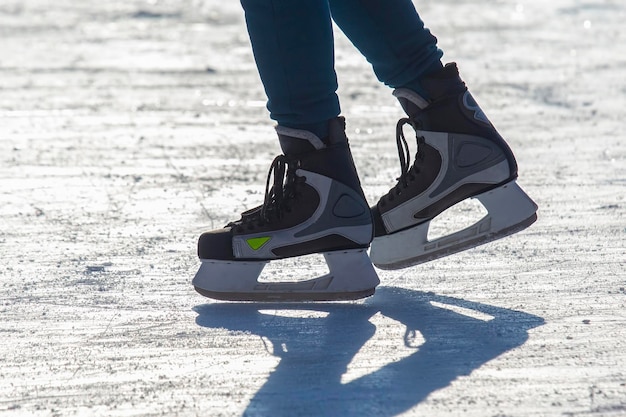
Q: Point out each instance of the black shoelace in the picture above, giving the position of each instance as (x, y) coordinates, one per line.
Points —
(278, 198)
(408, 173)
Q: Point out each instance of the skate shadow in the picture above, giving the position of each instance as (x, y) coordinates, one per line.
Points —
(457, 337)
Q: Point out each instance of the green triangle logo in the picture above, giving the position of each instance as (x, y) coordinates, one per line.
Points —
(257, 242)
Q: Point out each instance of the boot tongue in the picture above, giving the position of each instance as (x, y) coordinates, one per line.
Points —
(437, 85)
(411, 102)
(443, 82)
(296, 141)
(336, 131)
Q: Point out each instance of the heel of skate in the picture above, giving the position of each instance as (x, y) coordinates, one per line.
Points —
(351, 276)
(510, 210)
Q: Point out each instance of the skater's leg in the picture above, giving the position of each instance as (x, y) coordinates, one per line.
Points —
(292, 43)
(392, 37)
(313, 201)
(459, 152)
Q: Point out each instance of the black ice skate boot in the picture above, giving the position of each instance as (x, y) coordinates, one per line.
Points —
(315, 205)
(459, 155)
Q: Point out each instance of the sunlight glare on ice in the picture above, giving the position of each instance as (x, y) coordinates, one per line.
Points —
(461, 215)
(518, 14)
(297, 269)
(295, 313)
(392, 337)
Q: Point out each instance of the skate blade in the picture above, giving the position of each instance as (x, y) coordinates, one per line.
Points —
(509, 209)
(351, 276)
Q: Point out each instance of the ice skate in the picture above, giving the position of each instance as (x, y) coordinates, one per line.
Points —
(315, 205)
(459, 155)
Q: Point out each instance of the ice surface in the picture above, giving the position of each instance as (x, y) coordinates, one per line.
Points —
(129, 127)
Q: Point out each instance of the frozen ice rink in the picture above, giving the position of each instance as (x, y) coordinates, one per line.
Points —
(129, 127)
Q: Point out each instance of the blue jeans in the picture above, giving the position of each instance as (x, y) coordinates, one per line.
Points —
(292, 41)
